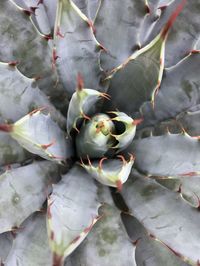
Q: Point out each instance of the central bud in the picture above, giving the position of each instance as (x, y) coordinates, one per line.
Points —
(95, 137)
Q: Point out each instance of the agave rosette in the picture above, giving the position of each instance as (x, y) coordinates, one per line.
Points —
(87, 105)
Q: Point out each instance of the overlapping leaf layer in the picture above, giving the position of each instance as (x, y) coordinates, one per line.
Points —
(97, 94)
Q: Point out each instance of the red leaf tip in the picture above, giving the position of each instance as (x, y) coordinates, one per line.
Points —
(6, 128)
(80, 82)
(173, 18)
(119, 185)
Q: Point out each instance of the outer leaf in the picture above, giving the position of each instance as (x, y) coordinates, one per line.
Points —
(72, 211)
(30, 246)
(158, 3)
(88, 7)
(38, 14)
(74, 28)
(11, 152)
(189, 121)
(25, 192)
(139, 77)
(188, 185)
(165, 216)
(180, 83)
(32, 132)
(21, 42)
(20, 95)
(114, 172)
(125, 37)
(50, 8)
(185, 31)
(6, 241)
(167, 155)
(149, 251)
(107, 242)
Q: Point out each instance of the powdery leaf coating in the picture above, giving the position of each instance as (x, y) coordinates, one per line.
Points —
(26, 190)
(149, 251)
(72, 212)
(107, 241)
(184, 34)
(11, 151)
(6, 241)
(187, 185)
(30, 247)
(124, 39)
(165, 216)
(20, 41)
(20, 95)
(88, 7)
(82, 55)
(40, 135)
(168, 155)
(111, 172)
(180, 83)
(138, 79)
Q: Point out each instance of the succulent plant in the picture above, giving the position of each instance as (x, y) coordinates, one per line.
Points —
(99, 132)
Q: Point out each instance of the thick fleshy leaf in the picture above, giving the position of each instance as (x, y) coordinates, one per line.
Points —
(20, 95)
(11, 151)
(38, 14)
(50, 9)
(137, 80)
(74, 28)
(165, 216)
(81, 105)
(72, 212)
(149, 251)
(126, 137)
(170, 154)
(180, 83)
(187, 185)
(21, 42)
(155, 4)
(6, 241)
(125, 37)
(88, 7)
(40, 135)
(94, 138)
(107, 241)
(185, 31)
(111, 172)
(189, 121)
(30, 247)
(26, 190)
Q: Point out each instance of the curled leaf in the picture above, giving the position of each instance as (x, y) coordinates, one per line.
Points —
(32, 132)
(95, 138)
(113, 172)
(81, 105)
(126, 137)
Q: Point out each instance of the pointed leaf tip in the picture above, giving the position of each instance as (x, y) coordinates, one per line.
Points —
(80, 81)
(6, 128)
(172, 19)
